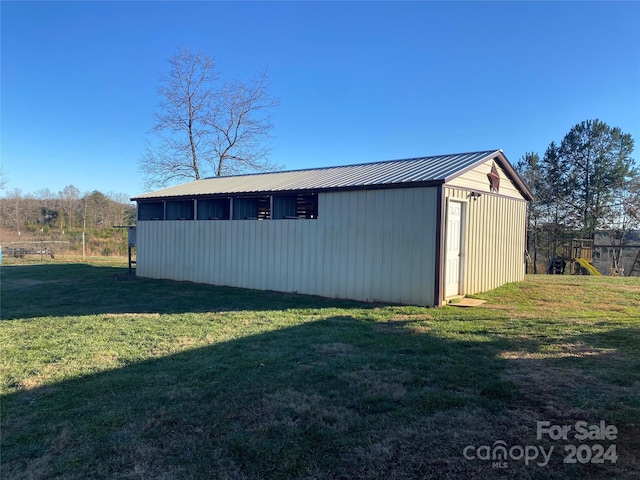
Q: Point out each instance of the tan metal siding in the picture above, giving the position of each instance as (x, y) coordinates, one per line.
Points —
(494, 241)
(476, 179)
(380, 245)
(374, 245)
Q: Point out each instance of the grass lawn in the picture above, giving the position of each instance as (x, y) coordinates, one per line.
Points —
(105, 375)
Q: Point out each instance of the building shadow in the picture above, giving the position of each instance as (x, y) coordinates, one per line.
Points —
(79, 289)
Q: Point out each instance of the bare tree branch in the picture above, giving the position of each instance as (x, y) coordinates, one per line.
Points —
(205, 127)
(3, 178)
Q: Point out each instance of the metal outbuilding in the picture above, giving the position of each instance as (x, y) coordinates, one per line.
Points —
(413, 231)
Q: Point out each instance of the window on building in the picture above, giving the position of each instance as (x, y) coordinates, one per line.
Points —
(213, 209)
(284, 207)
(307, 206)
(278, 207)
(180, 210)
(295, 206)
(150, 211)
(251, 208)
(264, 208)
(245, 209)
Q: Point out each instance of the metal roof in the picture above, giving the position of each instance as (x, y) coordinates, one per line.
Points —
(435, 169)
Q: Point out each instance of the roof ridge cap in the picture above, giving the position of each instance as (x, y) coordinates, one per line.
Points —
(330, 167)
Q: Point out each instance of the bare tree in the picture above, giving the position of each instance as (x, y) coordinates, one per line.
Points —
(241, 122)
(3, 178)
(31, 211)
(206, 127)
(48, 207)
(70, 199)
(624, 217)
(95, 207)
(12, 216)
(529, 167)
(120, 208)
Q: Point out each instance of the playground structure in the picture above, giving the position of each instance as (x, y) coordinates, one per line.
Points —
(635, 266)
(578, 253)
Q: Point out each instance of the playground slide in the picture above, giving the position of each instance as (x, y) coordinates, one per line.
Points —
(588, 267)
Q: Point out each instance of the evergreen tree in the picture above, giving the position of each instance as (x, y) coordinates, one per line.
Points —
(553, 194)
(592, 163)
(530, 169)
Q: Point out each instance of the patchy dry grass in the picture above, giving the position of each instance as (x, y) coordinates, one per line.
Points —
(105, 375)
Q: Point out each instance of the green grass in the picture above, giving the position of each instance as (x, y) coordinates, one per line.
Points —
(105, 375)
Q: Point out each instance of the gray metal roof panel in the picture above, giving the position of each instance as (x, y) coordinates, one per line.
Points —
(411, 170)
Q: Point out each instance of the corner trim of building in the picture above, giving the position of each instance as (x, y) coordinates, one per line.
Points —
(438, 299)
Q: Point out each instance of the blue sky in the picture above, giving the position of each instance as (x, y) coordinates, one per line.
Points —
(357, 82)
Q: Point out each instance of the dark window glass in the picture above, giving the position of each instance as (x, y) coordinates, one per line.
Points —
(213, 209)
(180, 210)
(284, 207)
(245, 209)
(150, 211)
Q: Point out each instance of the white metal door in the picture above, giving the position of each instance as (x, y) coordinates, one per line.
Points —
(453, 238)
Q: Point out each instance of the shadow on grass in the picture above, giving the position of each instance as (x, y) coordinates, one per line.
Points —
(30, 291)
(338, 397)
(334, 398)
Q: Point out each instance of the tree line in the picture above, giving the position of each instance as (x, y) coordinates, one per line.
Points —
(587, 183)
(66, 211)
